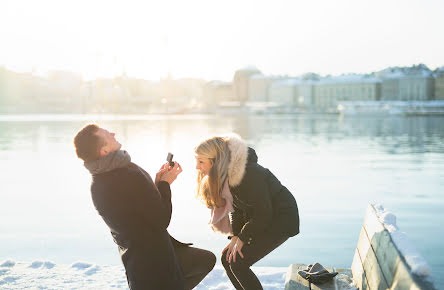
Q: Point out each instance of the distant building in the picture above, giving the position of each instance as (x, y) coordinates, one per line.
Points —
(414, 83)
(439, 84)
(258, 86)
(216, 92)
(328, 91)
(285, 91)
(240, 83)
(306, 93)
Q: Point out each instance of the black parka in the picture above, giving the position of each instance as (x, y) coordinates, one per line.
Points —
(138, 213)
(262, 204)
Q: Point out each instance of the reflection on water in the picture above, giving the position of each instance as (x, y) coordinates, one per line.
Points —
(334, 166)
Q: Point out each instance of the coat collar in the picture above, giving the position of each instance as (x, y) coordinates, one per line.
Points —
(238, 159)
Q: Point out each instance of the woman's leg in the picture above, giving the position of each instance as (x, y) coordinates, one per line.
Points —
(195, 263)
(239, 272)
(230, 274)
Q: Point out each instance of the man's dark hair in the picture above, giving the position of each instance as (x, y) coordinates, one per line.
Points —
(87, 143)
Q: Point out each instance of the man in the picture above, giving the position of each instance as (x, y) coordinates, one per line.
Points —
(137, 211)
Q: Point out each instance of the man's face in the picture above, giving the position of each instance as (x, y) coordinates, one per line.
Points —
(110, 143)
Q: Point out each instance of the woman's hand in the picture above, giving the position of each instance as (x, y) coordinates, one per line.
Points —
(171, 173)
(229, 247)
(236, 249)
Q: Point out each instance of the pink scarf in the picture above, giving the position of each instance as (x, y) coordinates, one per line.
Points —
(220, 220)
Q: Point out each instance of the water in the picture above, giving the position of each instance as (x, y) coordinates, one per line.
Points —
(333, 165)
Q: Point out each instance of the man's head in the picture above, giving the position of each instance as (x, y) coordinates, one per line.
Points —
(93, 142)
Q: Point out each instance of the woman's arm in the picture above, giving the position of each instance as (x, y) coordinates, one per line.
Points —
(255, 191)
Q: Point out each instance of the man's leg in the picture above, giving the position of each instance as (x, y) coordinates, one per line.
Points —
(239, 272)
(195, 263)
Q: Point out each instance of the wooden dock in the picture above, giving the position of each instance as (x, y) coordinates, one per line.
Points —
(378, 263)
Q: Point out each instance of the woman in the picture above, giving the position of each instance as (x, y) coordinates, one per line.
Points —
(264, 214)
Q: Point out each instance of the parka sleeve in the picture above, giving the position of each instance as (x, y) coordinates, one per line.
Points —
(151, 206)
(236, 221)
(259, 199)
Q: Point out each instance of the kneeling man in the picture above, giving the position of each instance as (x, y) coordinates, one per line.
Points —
(137, 211)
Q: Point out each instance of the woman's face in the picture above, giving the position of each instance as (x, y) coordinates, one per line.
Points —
(203, 164)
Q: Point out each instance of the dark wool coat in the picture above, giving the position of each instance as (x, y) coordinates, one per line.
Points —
(262, 204)
(138, 213)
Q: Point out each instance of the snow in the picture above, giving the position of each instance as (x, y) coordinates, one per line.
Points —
(348, 79)
(286, 83)
(84, 275)
(414, 259)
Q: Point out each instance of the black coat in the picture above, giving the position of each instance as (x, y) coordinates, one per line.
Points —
(138, 213)
(262, 204)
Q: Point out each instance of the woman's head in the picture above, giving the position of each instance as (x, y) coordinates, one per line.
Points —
(212, 160)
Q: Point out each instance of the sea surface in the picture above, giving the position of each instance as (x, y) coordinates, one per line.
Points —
(334, 165)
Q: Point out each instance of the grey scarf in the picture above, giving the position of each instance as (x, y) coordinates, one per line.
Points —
(113, 160)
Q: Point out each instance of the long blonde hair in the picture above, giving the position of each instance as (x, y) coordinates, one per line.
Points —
(209, 187)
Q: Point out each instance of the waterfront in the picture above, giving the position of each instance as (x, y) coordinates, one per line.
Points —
(334, 165)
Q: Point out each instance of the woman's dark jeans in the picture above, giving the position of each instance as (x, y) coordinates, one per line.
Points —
(239, 272)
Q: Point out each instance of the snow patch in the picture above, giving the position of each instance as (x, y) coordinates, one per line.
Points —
(81, 265)
(92, 270)
(9, 279)
(8, 263)
(40, 264)
(3, 271)
(414, 259)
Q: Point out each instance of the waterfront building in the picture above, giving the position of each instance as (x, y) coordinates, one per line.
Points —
(439, 84)
(407, 83)
(240, 83)
(258, 87)
(328, 91)
(216, 92)
(285, 92)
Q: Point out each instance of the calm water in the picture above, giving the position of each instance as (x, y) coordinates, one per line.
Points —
(334, 166)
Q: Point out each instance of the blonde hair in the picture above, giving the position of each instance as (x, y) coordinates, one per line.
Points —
(209, 187)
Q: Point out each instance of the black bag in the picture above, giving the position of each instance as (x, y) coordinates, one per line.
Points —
(317, 274)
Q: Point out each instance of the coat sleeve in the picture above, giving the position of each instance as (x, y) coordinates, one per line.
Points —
(258, 198)
(151, 206)
(236, 220)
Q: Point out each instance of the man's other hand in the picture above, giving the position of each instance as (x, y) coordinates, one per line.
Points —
(171, 173)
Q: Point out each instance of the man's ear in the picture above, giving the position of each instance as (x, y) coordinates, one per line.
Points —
(103, 151)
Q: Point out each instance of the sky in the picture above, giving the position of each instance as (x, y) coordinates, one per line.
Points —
(211, 39)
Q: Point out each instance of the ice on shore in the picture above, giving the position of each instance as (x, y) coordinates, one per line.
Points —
(414, 259)
(84, 275)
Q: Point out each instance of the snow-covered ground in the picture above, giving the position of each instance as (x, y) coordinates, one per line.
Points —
(84, 275)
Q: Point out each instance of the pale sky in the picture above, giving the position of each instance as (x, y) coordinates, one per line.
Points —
(212, 39)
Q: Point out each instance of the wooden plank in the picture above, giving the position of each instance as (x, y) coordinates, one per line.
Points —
(373, 272)
(357, 270)
(387, 255)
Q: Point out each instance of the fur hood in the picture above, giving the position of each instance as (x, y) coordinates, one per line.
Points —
(238, 159)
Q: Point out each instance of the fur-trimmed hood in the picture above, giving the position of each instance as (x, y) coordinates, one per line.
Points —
(238, 159)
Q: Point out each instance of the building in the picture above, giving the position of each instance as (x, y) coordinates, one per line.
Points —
(413, 83)
(285, 92)
(240, 83)
(216, 92)
(439, 84)
(328, 91)
(258, 87)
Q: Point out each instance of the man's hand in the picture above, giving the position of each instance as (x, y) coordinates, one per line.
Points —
(161, 171)
(171, 173)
